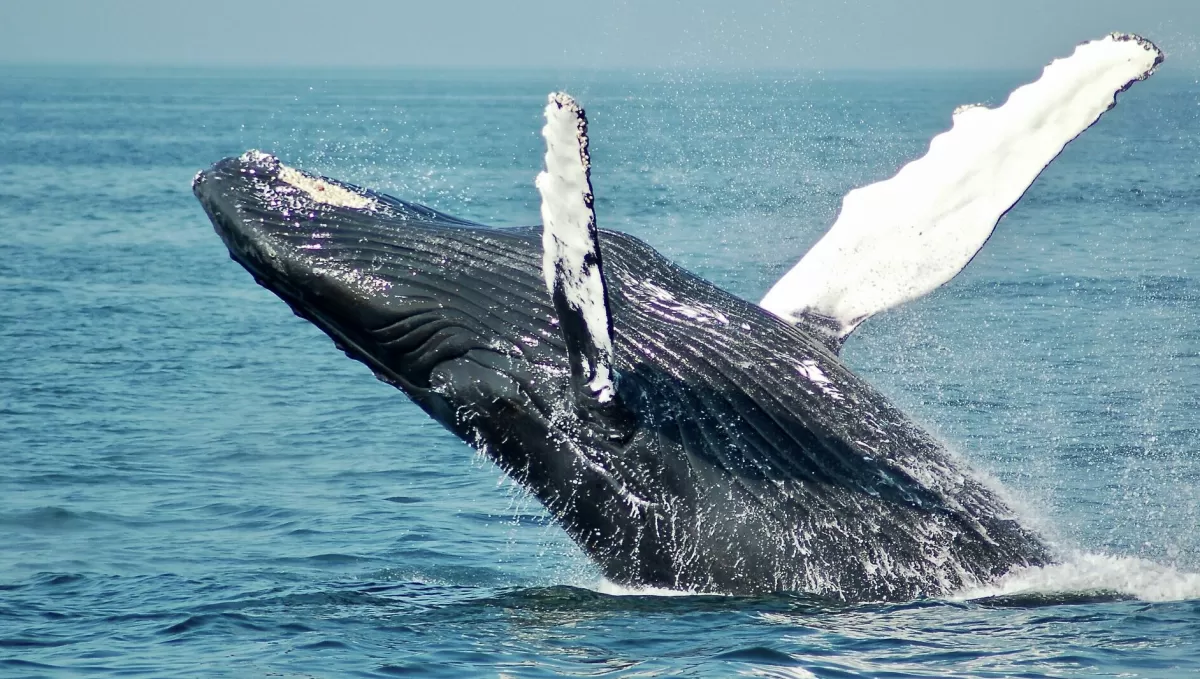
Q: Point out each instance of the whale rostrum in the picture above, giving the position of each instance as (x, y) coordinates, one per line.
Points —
(683, 437)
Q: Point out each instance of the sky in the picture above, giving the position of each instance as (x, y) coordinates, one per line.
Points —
(646, 34)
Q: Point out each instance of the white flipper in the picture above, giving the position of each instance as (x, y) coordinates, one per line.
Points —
(901, 238)
(571, 251)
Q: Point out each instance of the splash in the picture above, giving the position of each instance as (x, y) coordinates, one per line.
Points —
(1080, 573)
(605, 586)
(1091, 572)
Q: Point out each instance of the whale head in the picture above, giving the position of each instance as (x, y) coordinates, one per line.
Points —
(399, 286)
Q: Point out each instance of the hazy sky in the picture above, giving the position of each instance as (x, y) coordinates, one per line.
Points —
(730, 34)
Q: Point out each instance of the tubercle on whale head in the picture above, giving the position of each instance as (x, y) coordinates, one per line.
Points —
(294, 183)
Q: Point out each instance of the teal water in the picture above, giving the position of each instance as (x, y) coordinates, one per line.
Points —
(193, 482)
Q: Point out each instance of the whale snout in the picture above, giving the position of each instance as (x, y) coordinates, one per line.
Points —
(287, 227)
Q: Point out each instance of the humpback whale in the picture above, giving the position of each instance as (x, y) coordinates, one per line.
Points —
(683, 437)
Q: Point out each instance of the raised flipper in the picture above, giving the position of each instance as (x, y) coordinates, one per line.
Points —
(903, 237)
(572, 266)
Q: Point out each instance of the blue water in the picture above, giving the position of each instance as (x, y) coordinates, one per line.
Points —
(193, 482)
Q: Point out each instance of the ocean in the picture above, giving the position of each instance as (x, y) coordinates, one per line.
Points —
(194, 482)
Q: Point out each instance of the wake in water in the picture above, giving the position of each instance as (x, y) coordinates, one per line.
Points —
(1082, 576)
(1085, 573)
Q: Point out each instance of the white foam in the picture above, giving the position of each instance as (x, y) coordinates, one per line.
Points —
(1080, 573)
(898, 239)
(1089, 572)
(613, 589)
(780, 671)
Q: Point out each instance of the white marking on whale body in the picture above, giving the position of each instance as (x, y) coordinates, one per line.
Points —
(324, 192)
(318, 190)
(354, 277)
(569, 252)
(664, 299)
(813, 373)
(659, 292)
(900, 238)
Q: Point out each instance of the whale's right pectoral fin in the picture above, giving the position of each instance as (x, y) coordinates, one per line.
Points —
(901, 238)
(573, 269)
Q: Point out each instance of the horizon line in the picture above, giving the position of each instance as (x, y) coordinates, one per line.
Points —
(231, 67)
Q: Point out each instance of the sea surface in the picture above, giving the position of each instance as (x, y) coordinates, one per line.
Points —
(195, 483)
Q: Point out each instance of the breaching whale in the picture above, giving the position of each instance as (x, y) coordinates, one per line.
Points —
(683, 437)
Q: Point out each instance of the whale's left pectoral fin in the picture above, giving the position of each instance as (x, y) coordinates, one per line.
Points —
(573, 269)
(901, 238)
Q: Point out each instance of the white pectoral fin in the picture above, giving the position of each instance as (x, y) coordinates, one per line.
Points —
(901, 238)
(571, 260)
